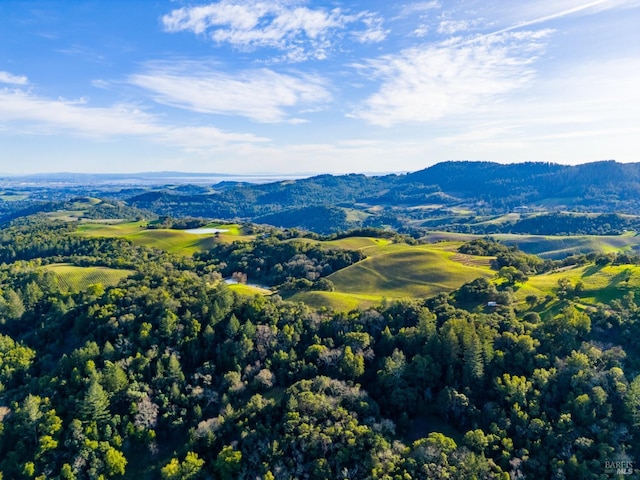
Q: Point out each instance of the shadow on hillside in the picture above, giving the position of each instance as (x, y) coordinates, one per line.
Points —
(592, 270)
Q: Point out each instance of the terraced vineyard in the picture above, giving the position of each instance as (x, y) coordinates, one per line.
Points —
(73, 278)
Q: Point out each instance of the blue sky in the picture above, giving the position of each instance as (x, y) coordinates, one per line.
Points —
(288, 86)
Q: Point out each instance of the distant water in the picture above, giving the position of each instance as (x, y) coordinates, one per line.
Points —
(147, 178)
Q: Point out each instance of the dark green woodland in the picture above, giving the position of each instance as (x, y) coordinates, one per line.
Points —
(169, 372)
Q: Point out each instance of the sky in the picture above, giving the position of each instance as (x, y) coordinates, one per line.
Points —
(304, 87)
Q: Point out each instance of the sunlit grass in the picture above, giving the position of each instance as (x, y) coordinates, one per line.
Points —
(336, 300)
(401, 270)
(249, 290)
(74, 278)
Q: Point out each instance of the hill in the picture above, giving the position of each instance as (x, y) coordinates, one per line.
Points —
(471, 196)
(599, 198)
(75, 278)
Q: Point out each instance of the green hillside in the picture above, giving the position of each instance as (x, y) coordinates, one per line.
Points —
(399, 270)
(250, 290)
(339, 301)
(172, 241)
(599, 284)
(73, 278)
(551, 246)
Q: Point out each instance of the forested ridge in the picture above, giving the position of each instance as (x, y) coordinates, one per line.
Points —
(170, 374)
(472, 197)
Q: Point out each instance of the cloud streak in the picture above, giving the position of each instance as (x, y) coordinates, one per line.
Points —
(300, 32)
(23, 112)
(594, 5)
(428, 83)
(261, 95)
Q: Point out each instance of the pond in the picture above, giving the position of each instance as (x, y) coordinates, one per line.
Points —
(233, 281)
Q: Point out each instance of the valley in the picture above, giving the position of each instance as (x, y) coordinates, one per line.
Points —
(203, 331)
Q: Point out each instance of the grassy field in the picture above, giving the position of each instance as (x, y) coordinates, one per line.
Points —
(562, 246)
(74, 278)
(115, 229)
(601, 284)
(398, 270)
(336, 300)
(248, 289)
(553, 247)
(395, 270)
(365, 244)
(75, 211)
(173, 241)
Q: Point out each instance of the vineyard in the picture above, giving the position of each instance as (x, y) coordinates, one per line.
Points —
(73, 278)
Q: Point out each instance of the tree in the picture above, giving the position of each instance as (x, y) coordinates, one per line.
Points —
(190, 468)
(563, 289)
(95, 404)
(15, 360)
(13, 306)
(351, 365)
(114, 461)
(632, 402)
(511, 275)
(227, 463)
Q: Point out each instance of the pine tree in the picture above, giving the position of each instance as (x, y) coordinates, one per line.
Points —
(95, 405)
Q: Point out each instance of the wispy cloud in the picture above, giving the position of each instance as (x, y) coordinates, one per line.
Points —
(428, 83)
(450, 27)
(8, 78)
(554, 11)
(261, 95)
(300, 32)
(373, 32)
(585, 102)
(504, 17)
(419, 7)
(23, 112)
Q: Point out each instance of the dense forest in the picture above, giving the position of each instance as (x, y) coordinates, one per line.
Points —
(171, 374)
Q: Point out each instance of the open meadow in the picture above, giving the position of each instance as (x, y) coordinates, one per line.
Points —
(169, 240)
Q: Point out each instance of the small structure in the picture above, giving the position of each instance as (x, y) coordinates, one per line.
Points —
(492, 304)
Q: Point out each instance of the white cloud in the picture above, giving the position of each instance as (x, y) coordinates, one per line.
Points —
(419, 7)
(450, 27)
(22, 112)
(281, 25)
(428, 83)
(374, 32)
(421, 31)
(6, 77)
(586, 111)
(261, 95)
